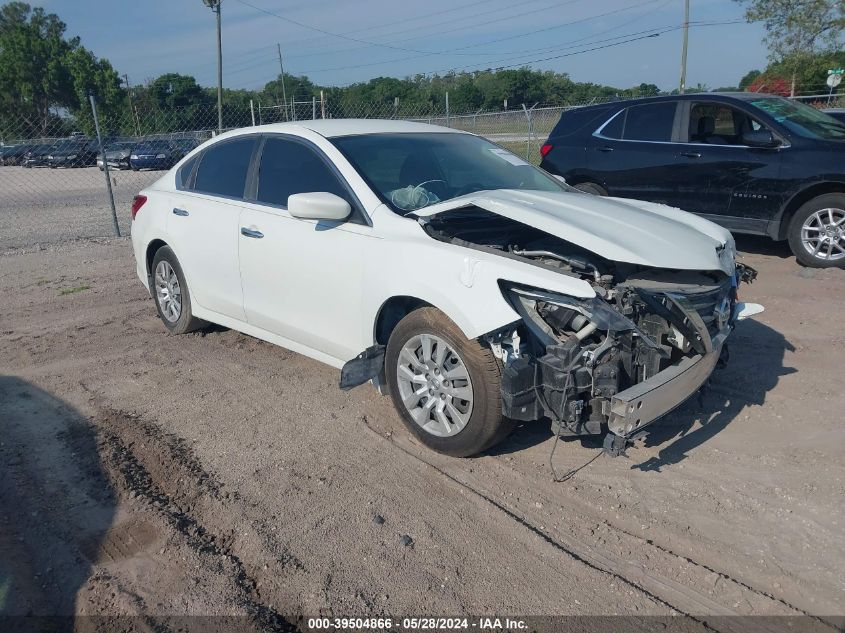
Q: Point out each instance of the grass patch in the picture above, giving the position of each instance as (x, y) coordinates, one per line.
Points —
(42, 282)
(520, 148)
(74, 290)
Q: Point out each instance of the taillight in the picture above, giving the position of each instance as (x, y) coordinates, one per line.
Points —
(137, 202)
(545, 149)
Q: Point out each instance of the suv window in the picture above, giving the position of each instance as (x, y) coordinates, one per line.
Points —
(649, 122)
(289, 167)
(223, 168)
(719, 124)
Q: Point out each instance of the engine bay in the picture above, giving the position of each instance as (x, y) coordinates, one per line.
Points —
(570, 357)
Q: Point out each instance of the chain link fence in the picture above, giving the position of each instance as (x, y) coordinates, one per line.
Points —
(52, 181)
(52, 185)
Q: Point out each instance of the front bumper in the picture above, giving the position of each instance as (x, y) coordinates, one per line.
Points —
(646, 402)
(150, 163)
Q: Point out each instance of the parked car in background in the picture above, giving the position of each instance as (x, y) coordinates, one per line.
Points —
(186, 144)
(836, 113)
(160, 154)
(36, 155)
(13, 154)
(75, 152)
(117, 155)
(476, 287)
(753, 163)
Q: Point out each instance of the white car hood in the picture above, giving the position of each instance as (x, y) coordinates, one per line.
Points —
(617, 229)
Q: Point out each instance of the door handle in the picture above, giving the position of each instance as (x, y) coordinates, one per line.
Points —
(177, 211)
(251, 233)
(605, 149)
(691, 154)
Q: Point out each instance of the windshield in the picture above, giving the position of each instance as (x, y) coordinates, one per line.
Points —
(412, 171)
(150, 146)
(802, 119)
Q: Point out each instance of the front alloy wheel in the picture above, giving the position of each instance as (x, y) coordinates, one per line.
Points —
(446, 388)
(434, 385)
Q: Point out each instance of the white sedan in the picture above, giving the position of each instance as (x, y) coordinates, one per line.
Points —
(473, 287)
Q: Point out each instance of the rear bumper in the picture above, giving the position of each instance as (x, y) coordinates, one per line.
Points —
(648, 401)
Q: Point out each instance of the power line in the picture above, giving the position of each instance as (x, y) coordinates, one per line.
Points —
(475, 25)
(325, 32)
(494, 41)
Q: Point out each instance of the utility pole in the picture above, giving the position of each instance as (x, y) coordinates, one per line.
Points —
(214, 5)
(683, 85)
(132, 111)
(282, 69)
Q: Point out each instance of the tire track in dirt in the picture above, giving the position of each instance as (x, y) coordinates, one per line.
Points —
(160, 470)
(662, 589)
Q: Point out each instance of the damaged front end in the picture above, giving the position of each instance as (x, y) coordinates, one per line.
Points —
(621, 360)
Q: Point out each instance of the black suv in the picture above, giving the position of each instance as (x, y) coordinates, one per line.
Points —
(750, 162)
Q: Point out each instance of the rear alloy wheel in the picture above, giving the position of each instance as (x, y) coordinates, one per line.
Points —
(447, 389)
(591, 187)
(817, 232)
(171, 295)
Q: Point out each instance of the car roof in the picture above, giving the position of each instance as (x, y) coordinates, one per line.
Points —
(332, 128)
(695, 96)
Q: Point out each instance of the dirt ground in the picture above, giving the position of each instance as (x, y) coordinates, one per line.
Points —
(212, 473)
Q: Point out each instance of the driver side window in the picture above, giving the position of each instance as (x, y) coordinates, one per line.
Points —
(288, 167)
(719, 124)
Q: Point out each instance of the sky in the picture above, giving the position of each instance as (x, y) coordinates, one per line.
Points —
(338, 42)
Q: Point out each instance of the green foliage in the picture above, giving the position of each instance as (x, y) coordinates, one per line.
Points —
(797, 31)
(748, 79)
(41, 71)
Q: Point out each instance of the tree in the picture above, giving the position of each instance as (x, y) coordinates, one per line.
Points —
(748, 79)
(797, 29)
(770, 85)
(41, 70)
(33, 73)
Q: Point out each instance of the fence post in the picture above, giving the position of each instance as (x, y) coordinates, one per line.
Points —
(252, 112)
(322, 104)
(447, 109)
(105, 164)
(313, 108)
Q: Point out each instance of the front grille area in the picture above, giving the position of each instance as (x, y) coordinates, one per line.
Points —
(707, 303)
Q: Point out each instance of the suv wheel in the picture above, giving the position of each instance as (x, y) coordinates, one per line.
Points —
(591, 187)
(817, 232)
(170, 291)
(447, 389)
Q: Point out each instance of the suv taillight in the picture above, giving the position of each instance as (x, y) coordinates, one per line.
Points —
(545, 149)
(137, 202)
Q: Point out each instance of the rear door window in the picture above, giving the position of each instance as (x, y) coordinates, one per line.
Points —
(649, 122)
(223, 168)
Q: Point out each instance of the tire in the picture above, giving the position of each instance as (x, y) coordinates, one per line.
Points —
(164, 269)
(822, 217)
(473, 423)
(591, 187)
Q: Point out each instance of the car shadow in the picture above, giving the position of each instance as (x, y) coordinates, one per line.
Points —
(762, 245)
(56, 506)
(755, 367)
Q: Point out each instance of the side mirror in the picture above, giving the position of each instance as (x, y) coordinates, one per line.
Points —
(318, 205)
(760, 138)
